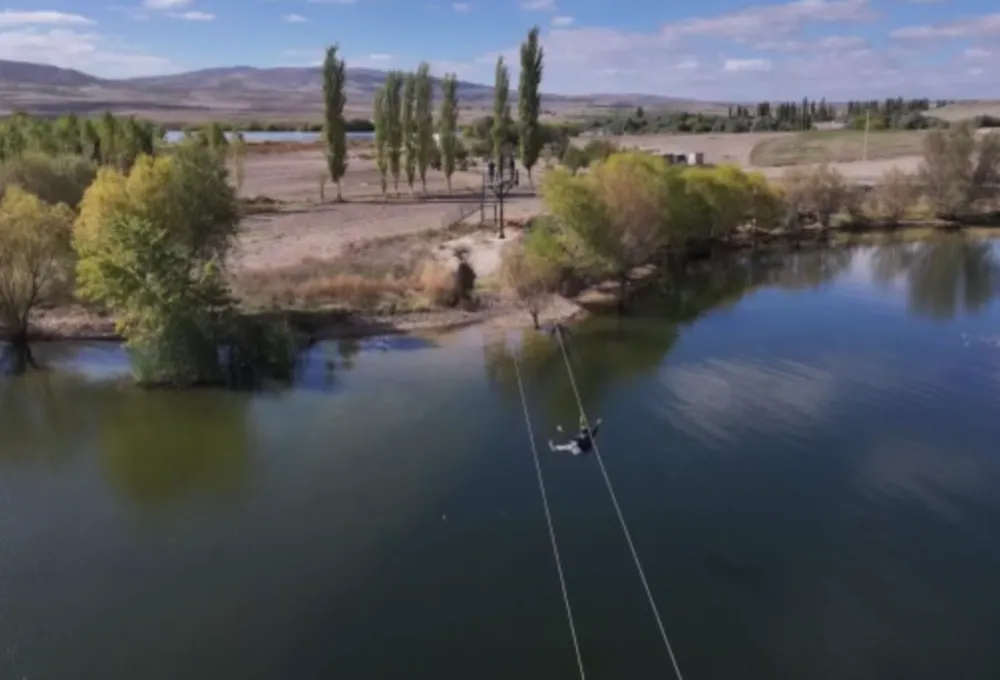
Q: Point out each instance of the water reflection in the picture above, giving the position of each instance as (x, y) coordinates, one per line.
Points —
(603, 352)
(943, 276)
(42, 413)
(157, 447)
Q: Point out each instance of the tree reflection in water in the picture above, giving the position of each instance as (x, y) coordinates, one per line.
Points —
(161, 446)
(605, 351)
(944, 276)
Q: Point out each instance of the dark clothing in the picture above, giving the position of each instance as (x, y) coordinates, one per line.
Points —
(585, 440)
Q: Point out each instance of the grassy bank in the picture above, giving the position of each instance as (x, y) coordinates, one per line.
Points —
(836, 146)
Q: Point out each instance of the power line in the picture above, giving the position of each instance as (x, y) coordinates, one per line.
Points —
(548, 520)
(618, 510)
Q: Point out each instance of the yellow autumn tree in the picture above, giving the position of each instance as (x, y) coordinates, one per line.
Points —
(34, 259)
(151, 247)
(615, 217)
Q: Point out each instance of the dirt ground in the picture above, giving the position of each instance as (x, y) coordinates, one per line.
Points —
(304, 227)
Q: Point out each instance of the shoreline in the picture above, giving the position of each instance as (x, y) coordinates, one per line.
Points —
(76, 324)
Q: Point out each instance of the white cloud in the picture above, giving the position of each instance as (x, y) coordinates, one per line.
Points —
(88, 52)
(736, 65)
(809, 45)
(562, 21)
(294, 18)
(768, 20)
(968, 27)
(539, 5)
(976, 53)
(165, 4)
(462, 6)
(9, 18)
(193, 16)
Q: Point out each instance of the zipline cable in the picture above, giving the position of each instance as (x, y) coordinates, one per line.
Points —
(548, 520)
(618, 510)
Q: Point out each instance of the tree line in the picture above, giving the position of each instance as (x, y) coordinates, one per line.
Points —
(408, 140)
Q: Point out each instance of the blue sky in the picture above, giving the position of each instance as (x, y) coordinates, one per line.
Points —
(723, 49)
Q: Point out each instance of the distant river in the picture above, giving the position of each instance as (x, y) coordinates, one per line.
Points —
(288, 136)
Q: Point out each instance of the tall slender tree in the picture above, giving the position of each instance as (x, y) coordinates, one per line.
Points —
(409, 124)
(334, 129)
(501, 107)
(448, 126)
(425, 121)
(381, 138)
(394, 123)
(529, 101)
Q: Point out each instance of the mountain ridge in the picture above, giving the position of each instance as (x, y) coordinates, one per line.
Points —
(236, 90)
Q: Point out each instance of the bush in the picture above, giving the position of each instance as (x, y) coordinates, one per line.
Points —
(820, 190)
(894, 194)
(54, 179)
(959, 169)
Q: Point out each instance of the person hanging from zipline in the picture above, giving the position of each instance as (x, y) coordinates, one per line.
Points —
(582, 443)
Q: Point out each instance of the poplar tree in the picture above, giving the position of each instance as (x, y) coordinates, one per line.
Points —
(501, 107)
(393, 112)
(381, 138)
(409, 124)
(425, 121)
(448, 126)
(529, 101)
(334, 129)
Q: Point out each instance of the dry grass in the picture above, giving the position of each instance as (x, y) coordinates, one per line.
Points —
(967, 110)
(404, 273)
(836, 146)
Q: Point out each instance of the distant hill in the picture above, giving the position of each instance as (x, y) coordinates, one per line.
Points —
(244, 92)
(27, 73)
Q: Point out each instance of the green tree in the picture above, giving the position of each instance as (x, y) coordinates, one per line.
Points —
(529, 102)
(34, 260)
(529, 277)
(448, 127)
(54, 179)
(393, 112)
(409, 127)
(424, 122)
(334, 129)
(614, 218)
(381, 138)
(501, 107)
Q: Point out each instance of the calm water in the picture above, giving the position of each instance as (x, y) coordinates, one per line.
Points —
(283, 136)
(805, 448)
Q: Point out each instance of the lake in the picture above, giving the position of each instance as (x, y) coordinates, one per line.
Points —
(804, 447)
(173, 136)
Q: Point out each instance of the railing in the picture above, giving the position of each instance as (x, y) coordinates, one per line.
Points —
(463, 211)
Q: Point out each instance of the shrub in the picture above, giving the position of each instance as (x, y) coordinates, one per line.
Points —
(958, 169)
(894, 194)
(820, 190)
(54, 179)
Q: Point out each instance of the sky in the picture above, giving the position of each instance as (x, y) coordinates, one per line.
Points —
(712, 49)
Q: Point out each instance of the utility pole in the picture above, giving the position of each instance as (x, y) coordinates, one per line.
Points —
(501, 179)
(868, 122)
